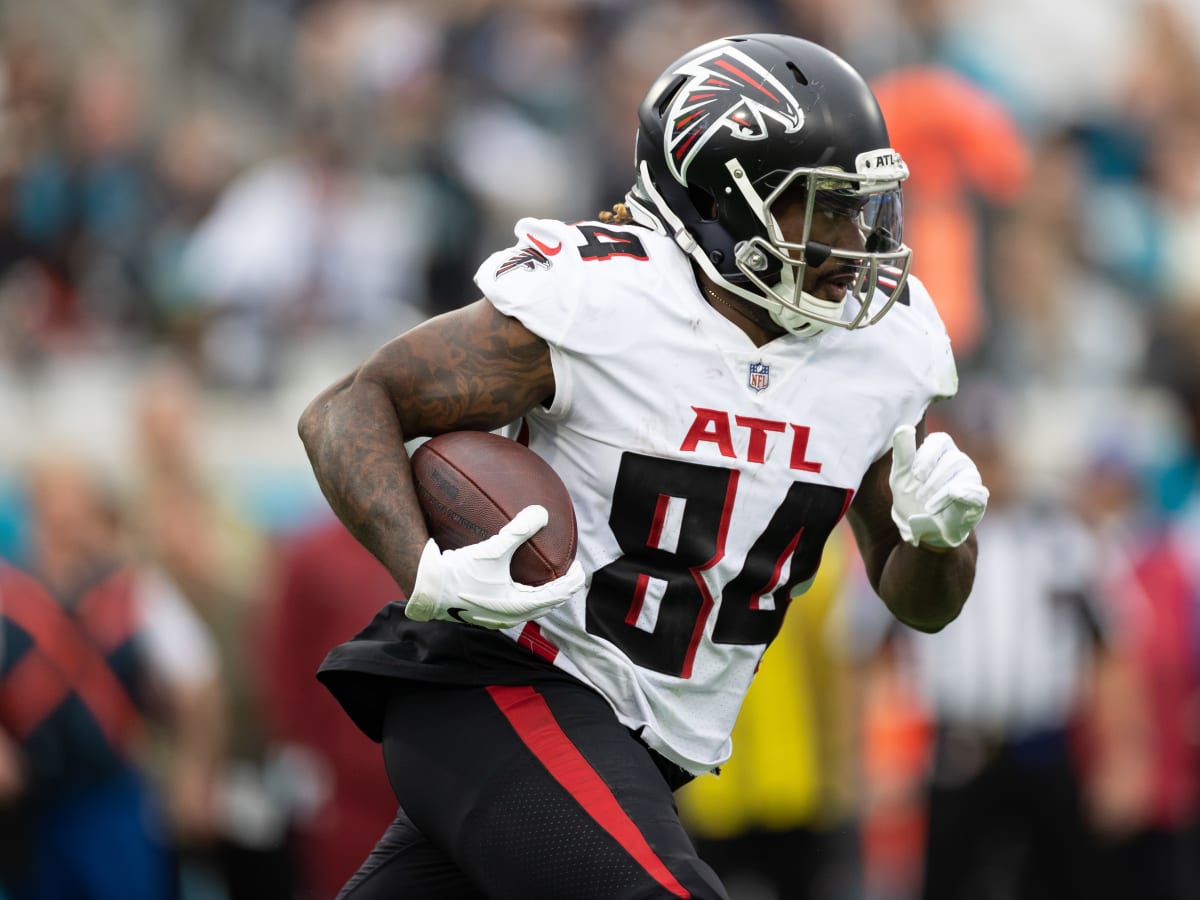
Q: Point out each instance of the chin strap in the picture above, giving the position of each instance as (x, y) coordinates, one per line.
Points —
(796, 323)
(794, 320)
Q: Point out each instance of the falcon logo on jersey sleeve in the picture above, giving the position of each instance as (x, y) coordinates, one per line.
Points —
(530, 258)
(726, 89)
(527, 258)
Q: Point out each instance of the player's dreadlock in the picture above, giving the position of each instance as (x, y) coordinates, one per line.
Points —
(619, 215)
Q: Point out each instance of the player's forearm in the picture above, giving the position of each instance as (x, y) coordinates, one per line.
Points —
(926, 588)
(356, 447)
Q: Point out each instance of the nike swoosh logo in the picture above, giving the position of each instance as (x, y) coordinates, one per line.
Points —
(545, 248)
(455, 612)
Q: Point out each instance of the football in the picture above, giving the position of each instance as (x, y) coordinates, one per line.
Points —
(471, 483)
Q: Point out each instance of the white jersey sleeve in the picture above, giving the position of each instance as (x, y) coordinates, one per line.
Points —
(940, 374)
(569, 284)
(535, 280)
(924, 367)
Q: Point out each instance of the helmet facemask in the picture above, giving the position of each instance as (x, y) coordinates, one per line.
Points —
(770, 268)
(774, 267)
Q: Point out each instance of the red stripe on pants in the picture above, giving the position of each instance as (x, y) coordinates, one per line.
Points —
(531, 718)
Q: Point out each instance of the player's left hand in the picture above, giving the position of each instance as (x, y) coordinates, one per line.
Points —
(937, 494)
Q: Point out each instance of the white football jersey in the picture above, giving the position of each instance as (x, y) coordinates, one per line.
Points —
(706, 472)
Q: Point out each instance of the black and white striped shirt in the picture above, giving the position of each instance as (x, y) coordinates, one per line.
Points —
(1013, 662)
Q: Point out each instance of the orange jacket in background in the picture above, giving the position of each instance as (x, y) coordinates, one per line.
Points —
(961, 145)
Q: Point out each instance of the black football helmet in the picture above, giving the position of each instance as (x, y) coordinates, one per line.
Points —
(730, 128)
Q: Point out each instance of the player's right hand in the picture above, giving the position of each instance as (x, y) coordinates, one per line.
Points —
(473, 584)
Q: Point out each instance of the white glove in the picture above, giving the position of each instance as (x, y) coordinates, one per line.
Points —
(473, 584)
(937, 494)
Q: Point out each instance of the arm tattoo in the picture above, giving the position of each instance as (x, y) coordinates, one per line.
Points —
(478, 371)
(471, 369)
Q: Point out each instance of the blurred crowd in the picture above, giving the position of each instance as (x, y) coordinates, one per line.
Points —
(210, 209)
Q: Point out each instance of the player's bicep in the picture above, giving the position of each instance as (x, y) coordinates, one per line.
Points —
(473, 368)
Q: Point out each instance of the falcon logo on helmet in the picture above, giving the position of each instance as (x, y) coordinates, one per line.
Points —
(725, 89)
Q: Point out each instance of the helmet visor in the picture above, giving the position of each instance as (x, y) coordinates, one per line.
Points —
(875, 209)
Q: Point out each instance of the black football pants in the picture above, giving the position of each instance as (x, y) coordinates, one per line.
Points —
(524, 792)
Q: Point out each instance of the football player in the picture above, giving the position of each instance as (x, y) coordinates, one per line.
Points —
(720, 369)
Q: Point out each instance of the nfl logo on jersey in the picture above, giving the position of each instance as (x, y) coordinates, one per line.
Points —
(760, 375)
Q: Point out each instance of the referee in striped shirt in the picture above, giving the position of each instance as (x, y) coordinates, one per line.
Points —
(1003, 685)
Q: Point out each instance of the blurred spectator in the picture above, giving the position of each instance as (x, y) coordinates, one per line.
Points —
(79, 821)
(299, 243)
(388, 67)
(33, 299)
(1148, 806)
(968, 161)
(327, 588)
(777, 821)
(82, 203)
(528, 101)
(193, 163)
(1005, 685)
(361, 222)
(894, 752)
(1043, 58)
(192, 529)
(98, 672)
(1157, 511)
(1060, 322)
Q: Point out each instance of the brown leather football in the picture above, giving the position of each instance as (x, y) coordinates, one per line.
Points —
(470, 485)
